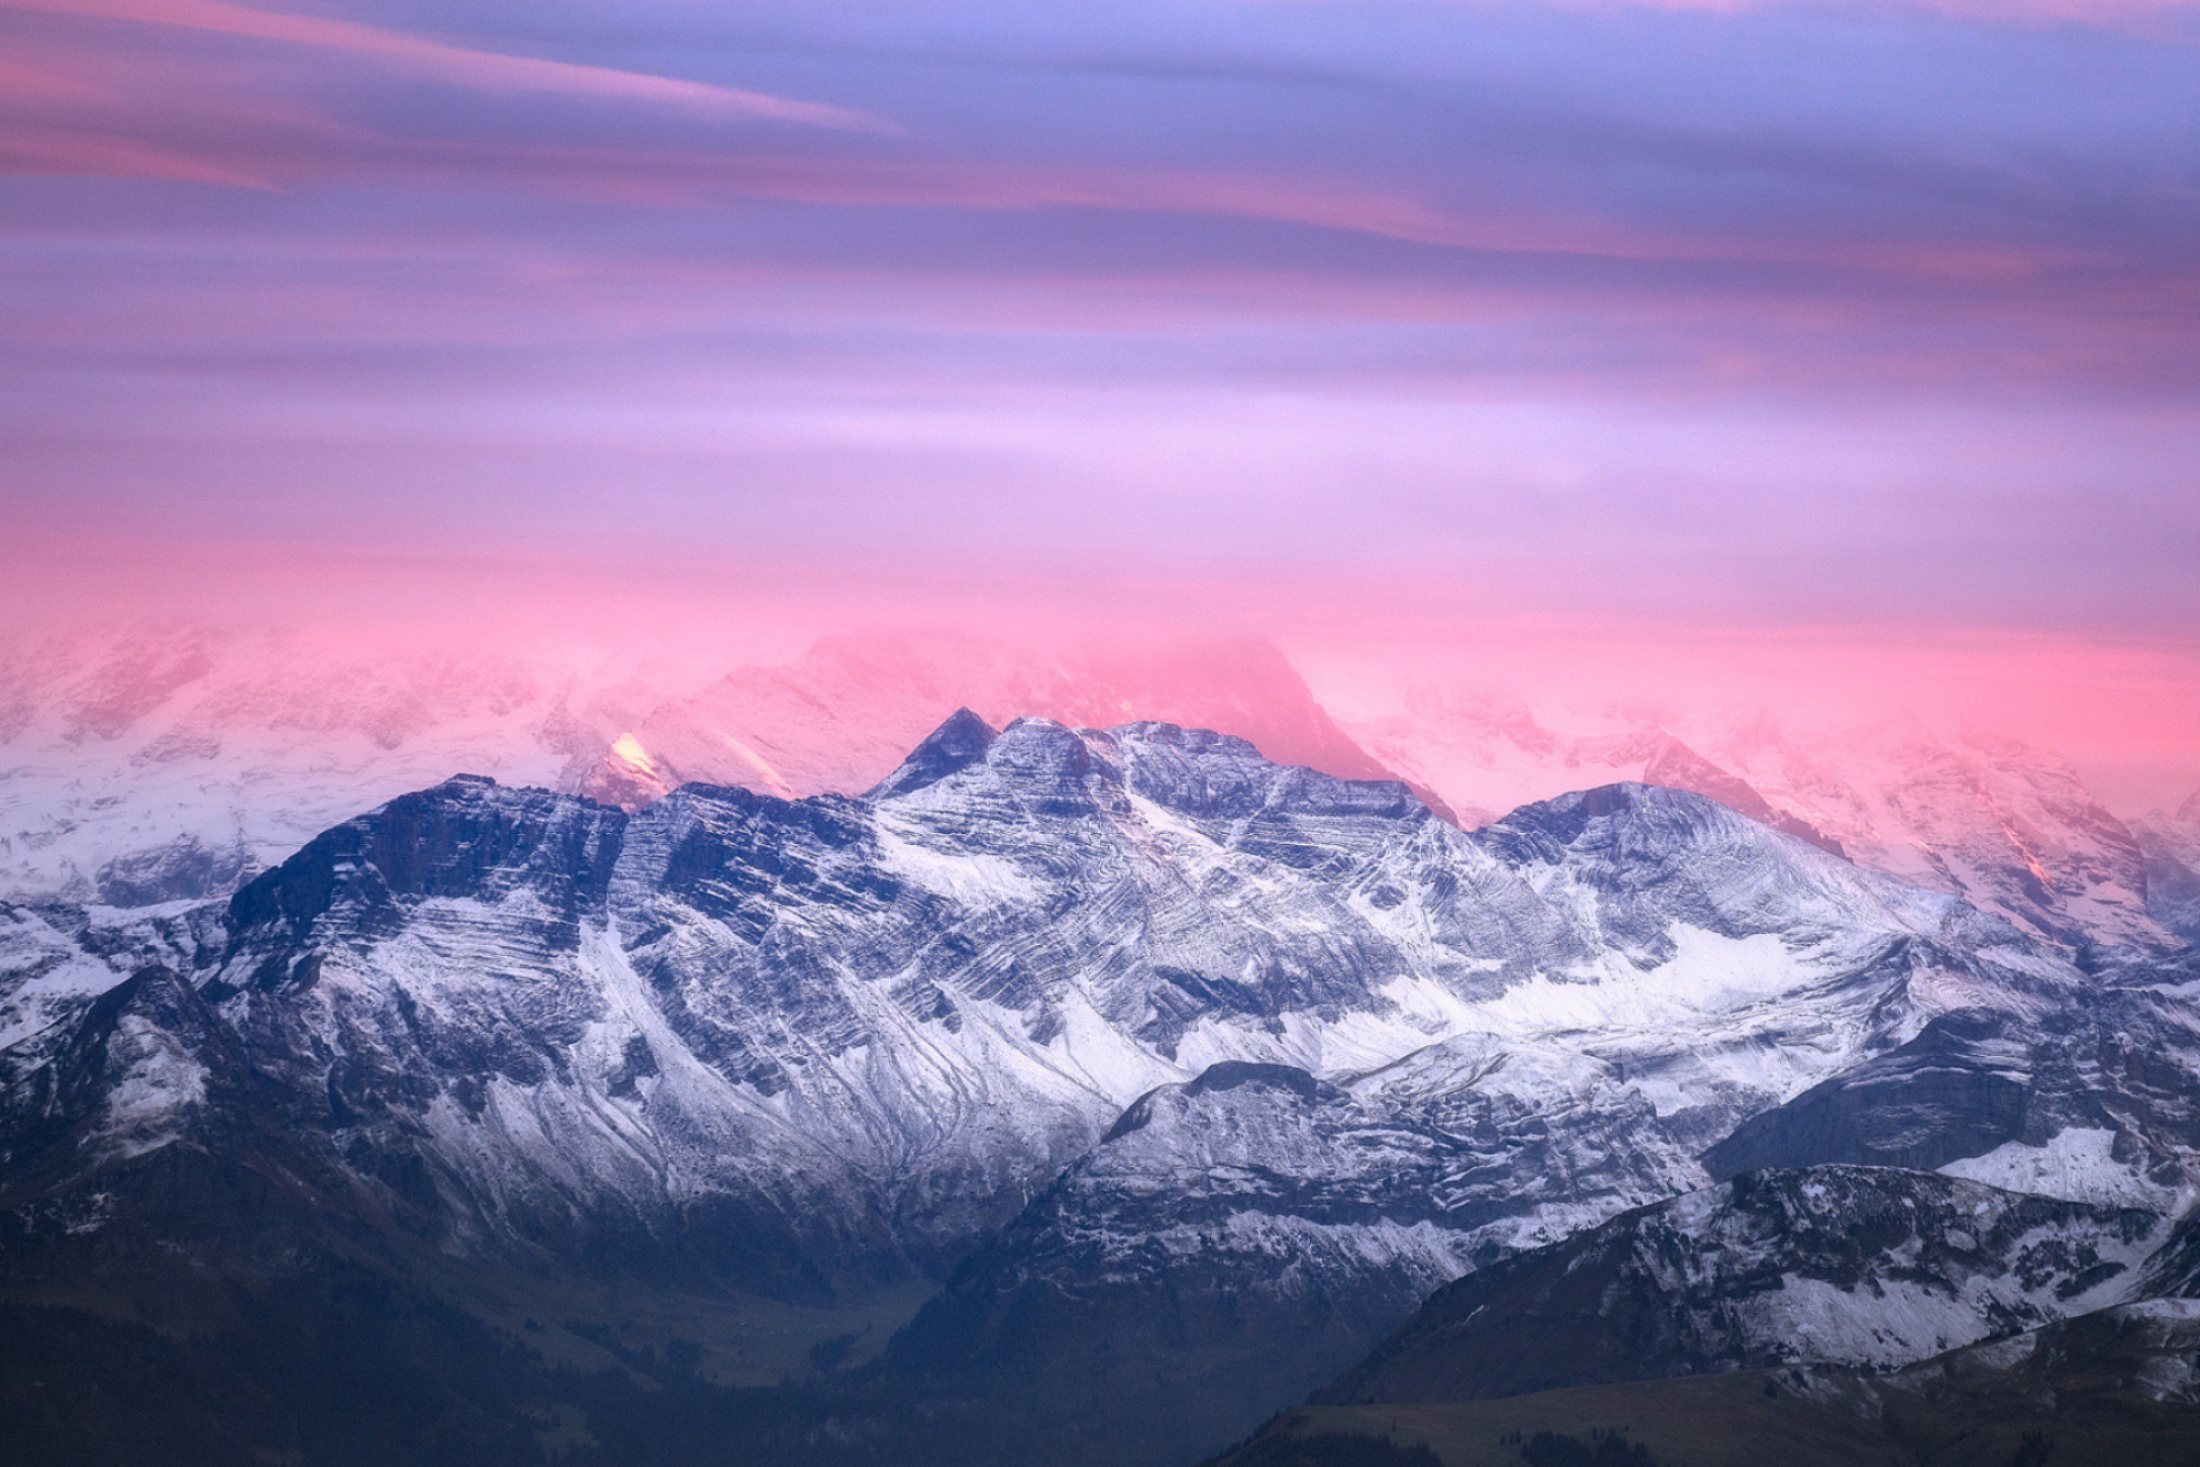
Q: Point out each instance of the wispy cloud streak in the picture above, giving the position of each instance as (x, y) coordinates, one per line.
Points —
(466, 65)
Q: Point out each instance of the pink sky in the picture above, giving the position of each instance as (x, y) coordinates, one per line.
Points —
(2124, 707)
(1832, 354)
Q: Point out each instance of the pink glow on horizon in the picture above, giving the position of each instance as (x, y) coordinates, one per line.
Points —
(2125, 710)
(1818, 355)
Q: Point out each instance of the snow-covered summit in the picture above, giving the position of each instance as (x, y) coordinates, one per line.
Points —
(2009, 828)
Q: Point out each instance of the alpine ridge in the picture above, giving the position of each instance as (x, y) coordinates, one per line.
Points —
(1118, 1083)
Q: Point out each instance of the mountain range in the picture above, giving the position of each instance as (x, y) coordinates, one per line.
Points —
(173, 762)
(1120, 1081)
(1070, 1095)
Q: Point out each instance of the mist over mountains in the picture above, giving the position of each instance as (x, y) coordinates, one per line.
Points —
(170, 761)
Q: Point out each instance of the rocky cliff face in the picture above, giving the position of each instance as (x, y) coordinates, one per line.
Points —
(2097, 1099)
(1851, 1266)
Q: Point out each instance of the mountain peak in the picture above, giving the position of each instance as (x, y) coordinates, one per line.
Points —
(1634, 811)
(137, 1065)
(1677, 766)
(954, 746)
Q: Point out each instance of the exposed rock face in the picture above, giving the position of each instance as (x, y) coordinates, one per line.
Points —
(149, 1057)
(1959, 1089)
(2173, 892)
(2095, 1099)
(1850, 1266)
(187, 869)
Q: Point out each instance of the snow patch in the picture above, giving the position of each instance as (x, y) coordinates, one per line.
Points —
(2077, 1163)
(158, 1083)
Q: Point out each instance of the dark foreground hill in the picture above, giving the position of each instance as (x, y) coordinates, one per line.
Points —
(2109, 1389)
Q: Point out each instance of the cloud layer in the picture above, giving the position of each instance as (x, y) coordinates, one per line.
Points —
(1853, 313)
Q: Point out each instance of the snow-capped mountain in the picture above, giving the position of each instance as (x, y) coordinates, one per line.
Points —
(165, 763)
(1135, 1024)
(953, 989)
(162, 764)
(2008, 828)
(2113, 1384)
(966, 977)
(2170, 843)
(837, 719)
(1266, 1203)
(1855, 1266)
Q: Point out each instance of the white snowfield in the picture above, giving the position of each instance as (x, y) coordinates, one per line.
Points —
(2078, 1162)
